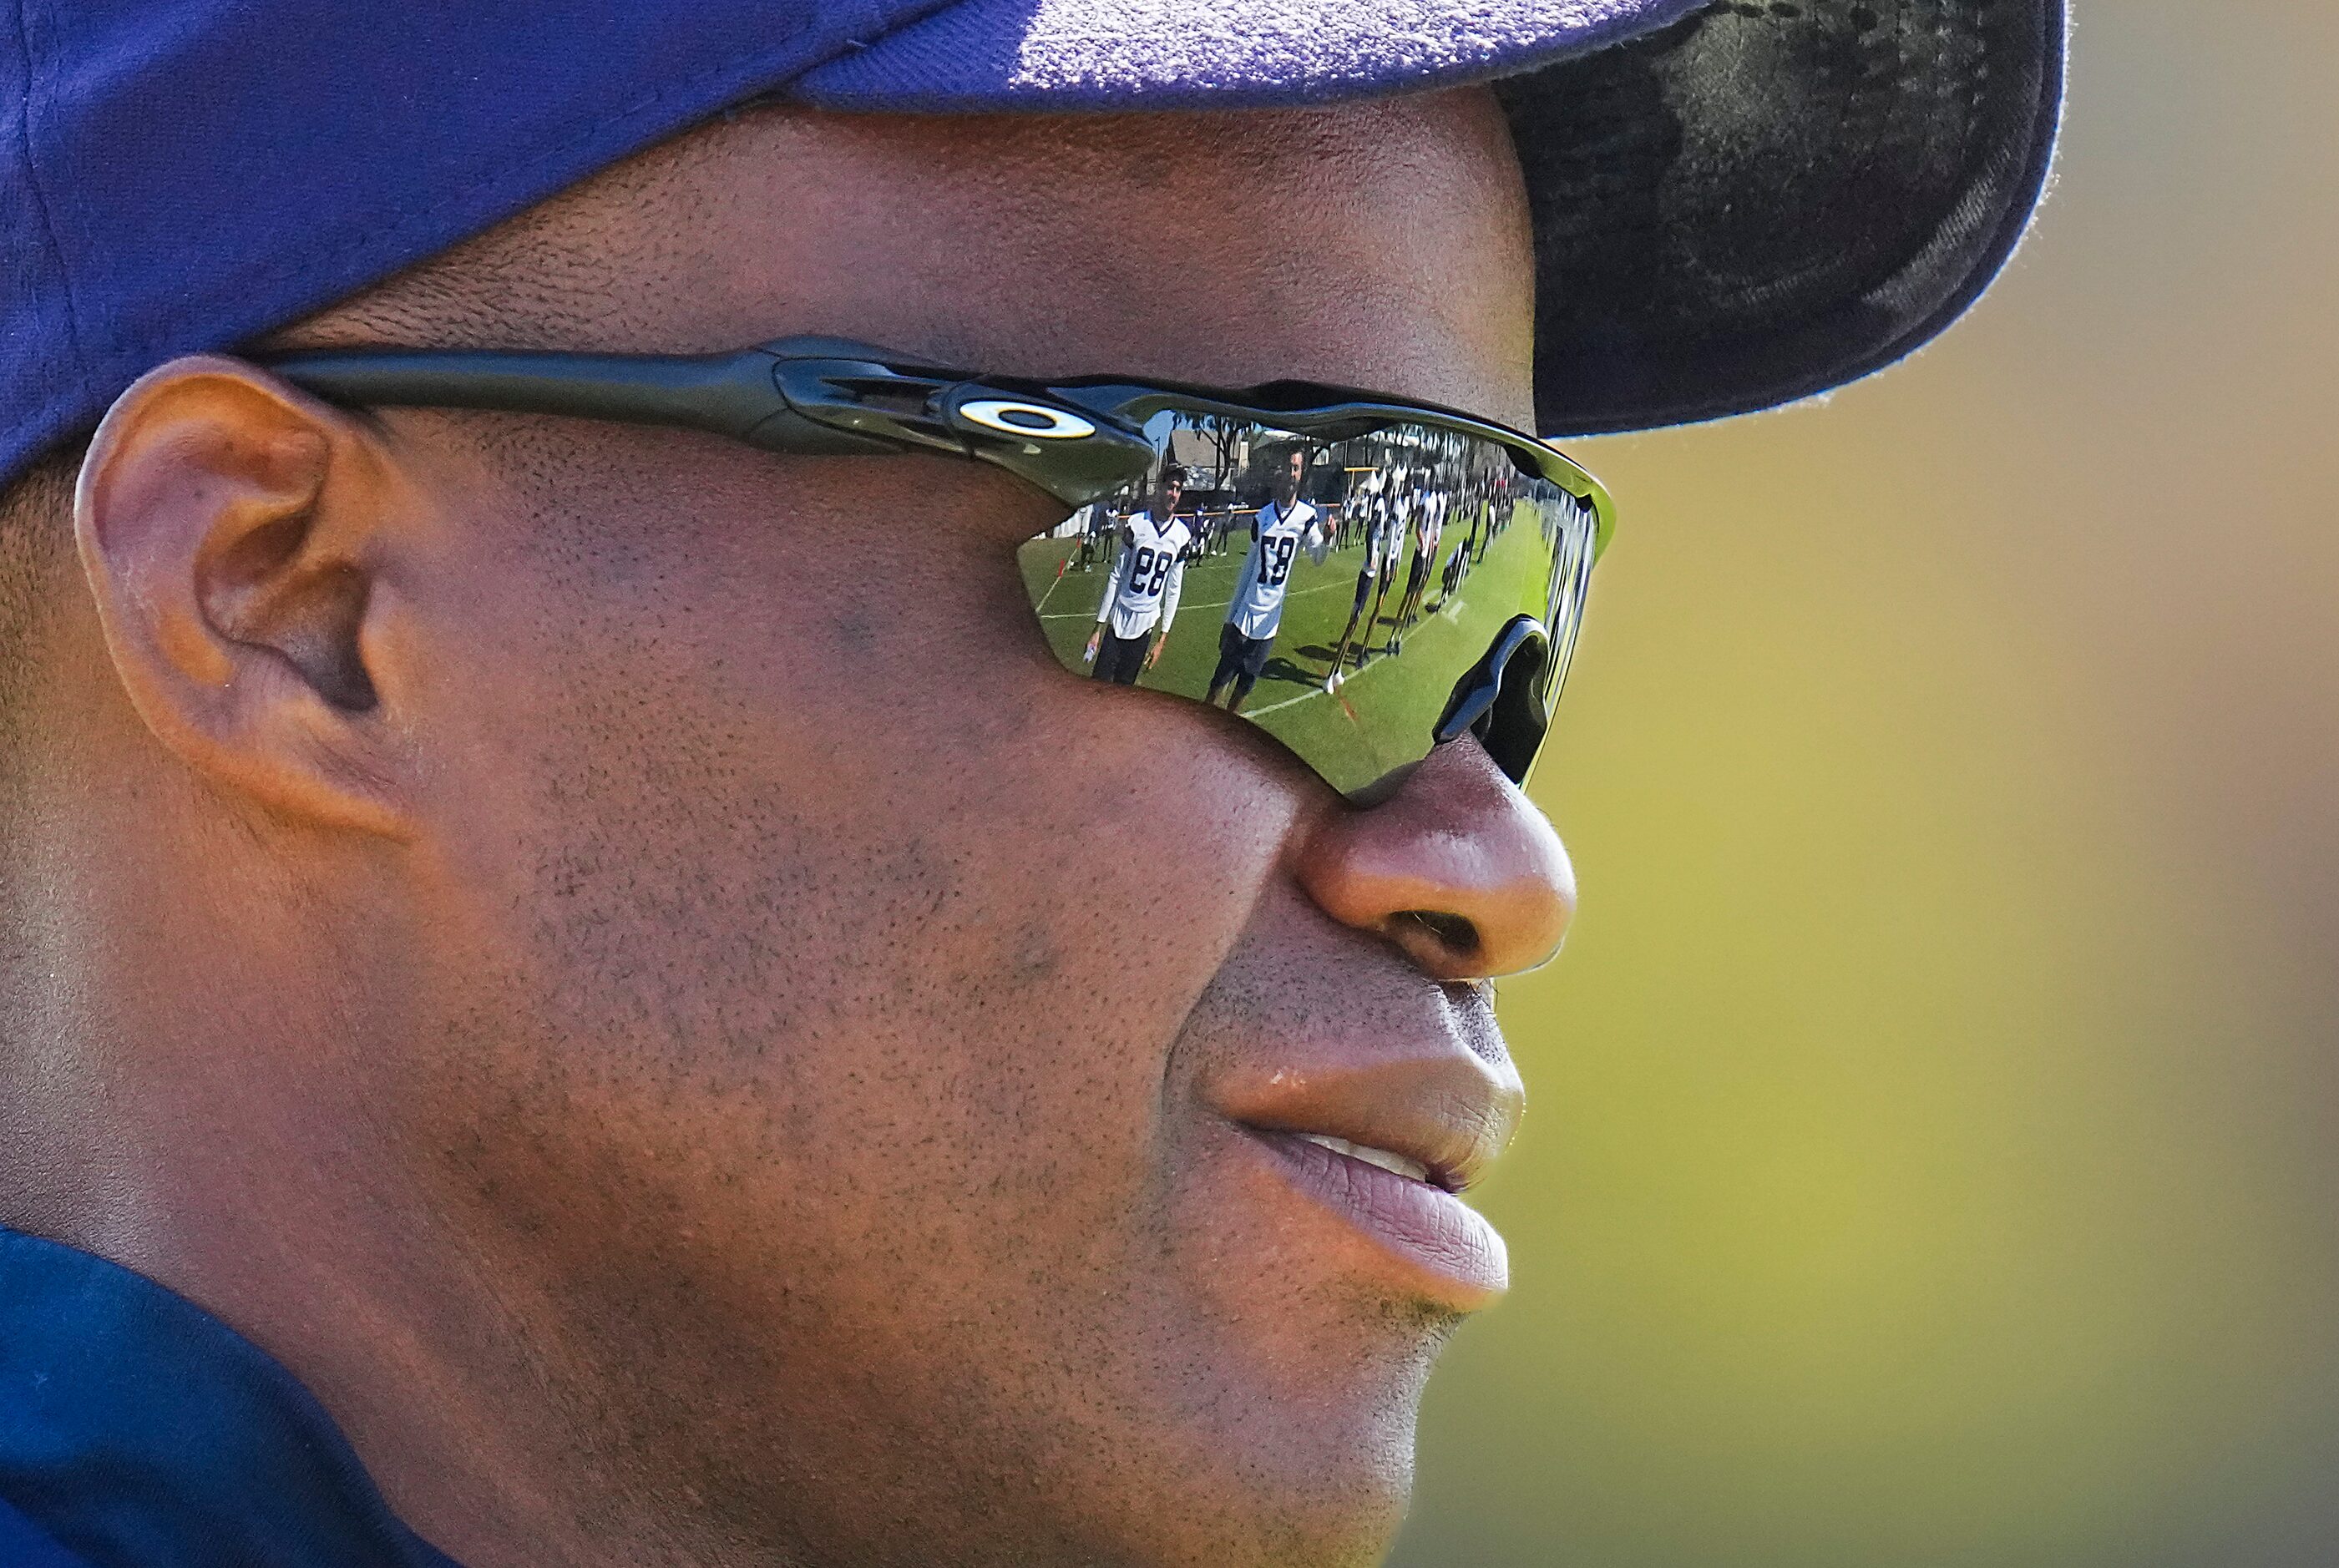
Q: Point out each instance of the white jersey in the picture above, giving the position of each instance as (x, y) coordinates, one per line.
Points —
(1276, 537)
(1430, 525)
(1385, 537)
(1148, 574)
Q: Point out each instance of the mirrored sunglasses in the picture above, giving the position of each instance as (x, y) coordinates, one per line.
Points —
(1363, 578)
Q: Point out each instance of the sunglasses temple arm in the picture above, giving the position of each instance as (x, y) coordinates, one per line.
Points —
(733, 395)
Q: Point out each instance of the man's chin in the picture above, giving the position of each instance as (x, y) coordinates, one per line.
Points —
(1322, 1493)
(1296, 1459)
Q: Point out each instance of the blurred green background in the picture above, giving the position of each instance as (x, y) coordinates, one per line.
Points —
(1933, 1147)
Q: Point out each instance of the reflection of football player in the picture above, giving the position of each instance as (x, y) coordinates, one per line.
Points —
(1482, 515)
(1457, 562)
(1429, 522)
(1283, 528)
(1143, 592)
(1357, 514)
(1095, 524)
(1499, 519)
(1214, 529)
(1384, 538)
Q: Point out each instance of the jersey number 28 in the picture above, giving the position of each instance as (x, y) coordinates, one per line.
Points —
(1148, 571)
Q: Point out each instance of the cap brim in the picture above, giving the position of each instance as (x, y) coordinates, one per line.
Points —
(1736, 205)
(1763, 203)
(1137, 55)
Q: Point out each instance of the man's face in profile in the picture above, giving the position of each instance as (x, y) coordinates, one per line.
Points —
(898, 1098)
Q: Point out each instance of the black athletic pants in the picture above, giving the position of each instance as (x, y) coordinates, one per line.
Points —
(1121, 660)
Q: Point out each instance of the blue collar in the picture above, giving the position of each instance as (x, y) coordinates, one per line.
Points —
(135, 1428)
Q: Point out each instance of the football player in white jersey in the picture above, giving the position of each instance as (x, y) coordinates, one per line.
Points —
(1428, 522)
(1282, 529)
(1142, 595)
(1384, 537)
(1355, 512)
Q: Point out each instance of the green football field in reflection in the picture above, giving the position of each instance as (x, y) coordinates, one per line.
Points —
(1289, 701)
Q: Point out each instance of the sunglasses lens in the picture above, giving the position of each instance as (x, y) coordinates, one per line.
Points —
(1355, 595)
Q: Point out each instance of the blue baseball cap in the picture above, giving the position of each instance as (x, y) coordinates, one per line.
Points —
(1735, 204)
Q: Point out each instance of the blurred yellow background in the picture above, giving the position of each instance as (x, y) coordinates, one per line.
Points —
(1933, 1146)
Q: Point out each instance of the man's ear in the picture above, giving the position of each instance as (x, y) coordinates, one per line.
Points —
(233, 531)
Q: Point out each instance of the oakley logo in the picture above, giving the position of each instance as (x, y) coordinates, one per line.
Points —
(1028, 419)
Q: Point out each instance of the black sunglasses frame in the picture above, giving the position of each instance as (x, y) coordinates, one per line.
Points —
(1078, 440)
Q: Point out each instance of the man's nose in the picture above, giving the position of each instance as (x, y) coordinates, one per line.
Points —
(1455, 867)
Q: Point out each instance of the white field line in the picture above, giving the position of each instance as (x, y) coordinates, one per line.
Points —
(1050, 595)
(1317, 690)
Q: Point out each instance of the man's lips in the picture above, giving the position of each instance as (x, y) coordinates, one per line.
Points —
(1379, 1159)
(1386, 1143)
(1431, 1244)
(1446, 1110)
